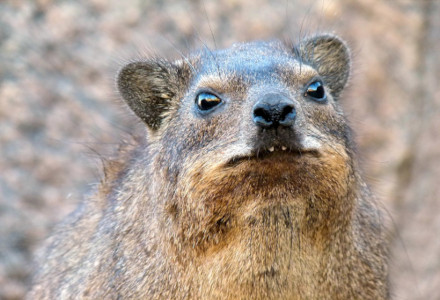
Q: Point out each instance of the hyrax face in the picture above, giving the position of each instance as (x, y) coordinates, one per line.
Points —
(237, 132)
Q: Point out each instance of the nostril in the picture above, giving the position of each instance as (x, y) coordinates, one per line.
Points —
(263, 113)
(262, 116)
(288, 115)
(286, 110)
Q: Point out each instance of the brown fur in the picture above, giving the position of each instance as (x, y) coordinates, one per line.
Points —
(203, 211)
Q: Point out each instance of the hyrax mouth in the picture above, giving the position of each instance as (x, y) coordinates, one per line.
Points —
(275, 153)
(287, 151)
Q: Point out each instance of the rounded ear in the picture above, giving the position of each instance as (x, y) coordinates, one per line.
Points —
(148, 88)
(330, 56)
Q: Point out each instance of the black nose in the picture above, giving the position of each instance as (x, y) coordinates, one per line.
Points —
(274, 110)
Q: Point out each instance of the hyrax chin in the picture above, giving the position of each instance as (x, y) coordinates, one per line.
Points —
(246, 188)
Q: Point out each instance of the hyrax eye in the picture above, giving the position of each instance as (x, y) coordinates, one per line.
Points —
(316, 91)
(206, 101)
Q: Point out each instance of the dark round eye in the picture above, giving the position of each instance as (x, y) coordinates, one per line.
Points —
(316, 91)
(206, 101)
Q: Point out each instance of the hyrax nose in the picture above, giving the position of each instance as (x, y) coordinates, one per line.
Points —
(274, 110)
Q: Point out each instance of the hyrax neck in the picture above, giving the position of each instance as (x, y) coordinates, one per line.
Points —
(211, 209)
(262, 223)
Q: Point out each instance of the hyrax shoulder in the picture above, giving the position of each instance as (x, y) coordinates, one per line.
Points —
(247, 187)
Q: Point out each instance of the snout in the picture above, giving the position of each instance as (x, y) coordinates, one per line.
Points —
(274, 110)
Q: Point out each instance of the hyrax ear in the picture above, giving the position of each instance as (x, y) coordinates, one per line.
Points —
(148, 88)
(330, 56)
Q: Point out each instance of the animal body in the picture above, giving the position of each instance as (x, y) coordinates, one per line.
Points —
(245, 187)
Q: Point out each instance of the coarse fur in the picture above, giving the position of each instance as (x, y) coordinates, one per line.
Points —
(211, 206)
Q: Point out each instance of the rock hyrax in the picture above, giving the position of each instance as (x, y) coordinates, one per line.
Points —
(246, 187)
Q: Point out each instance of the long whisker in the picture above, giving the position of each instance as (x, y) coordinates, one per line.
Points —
(184, 57)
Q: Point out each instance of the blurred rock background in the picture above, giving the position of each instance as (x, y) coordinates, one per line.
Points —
(58, 106)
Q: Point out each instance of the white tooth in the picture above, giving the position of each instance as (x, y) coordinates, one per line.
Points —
(271, 149)
(283, 148)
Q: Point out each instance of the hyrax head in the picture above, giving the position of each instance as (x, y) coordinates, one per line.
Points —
(262, 116)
